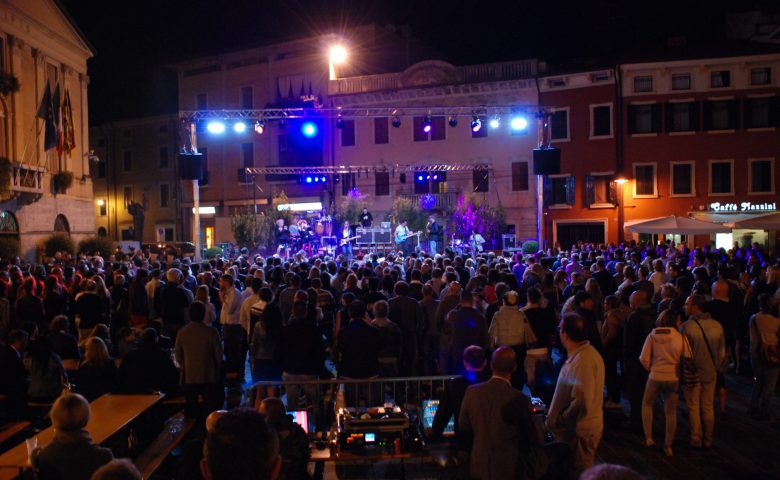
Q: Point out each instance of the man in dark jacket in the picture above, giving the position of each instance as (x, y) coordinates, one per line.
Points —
(638, 325)
(359, 345)
(407, 314)
(13, 376)
(147, 369)
(172, 303)
(71, 455)
(63, 343)
(463, 326)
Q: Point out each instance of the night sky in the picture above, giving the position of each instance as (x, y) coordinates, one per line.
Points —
(135, 39)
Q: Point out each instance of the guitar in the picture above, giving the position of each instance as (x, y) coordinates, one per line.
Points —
(399, 239)
(349, 239)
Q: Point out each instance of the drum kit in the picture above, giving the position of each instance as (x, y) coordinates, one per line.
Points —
(313, 238)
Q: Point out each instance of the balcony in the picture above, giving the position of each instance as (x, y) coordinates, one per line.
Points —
(445, 201)
(26, 182)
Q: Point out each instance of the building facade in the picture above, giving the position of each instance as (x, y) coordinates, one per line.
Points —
(40, 46)
(137, 173)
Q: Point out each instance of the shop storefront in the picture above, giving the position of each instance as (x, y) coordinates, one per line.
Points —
(750, 222)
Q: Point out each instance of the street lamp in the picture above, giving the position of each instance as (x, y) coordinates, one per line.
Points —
(620, 181)
(336, 56)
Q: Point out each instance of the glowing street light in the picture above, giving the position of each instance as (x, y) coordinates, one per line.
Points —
(336, 56)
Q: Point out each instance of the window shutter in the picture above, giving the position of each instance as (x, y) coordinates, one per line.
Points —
(774, 111)
(570, 190)
(695, 112)
(707, 114)
(668, 117)
(734, 113)
(519, 176)
(613, 198)
(631, 119)
(656, 109)
(590, 194)
(547, 191)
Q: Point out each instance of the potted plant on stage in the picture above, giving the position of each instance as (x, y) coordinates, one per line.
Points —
(62, 181)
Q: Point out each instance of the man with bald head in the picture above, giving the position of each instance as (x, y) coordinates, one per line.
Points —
(495, 451)
(638, 326)
(727, 313)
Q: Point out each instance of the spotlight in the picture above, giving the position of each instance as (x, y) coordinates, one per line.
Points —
(324, 179)
(495, 122)
(309, 129)
(428, 177)
(476, 124)
(336, 178)
(519, 123)
(309, 179)
(339, 122)
(216, 127)
(427, 125)
(260, 127)
(453, 121)
(419, 178)
(396, 122)
(435, 177)
(239, 127)
(338, 54)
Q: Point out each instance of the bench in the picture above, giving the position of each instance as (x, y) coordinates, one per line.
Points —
(174, 431)
(9, 430)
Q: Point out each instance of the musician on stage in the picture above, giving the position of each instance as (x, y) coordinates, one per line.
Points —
(366, 219)
(435, 234)
(476, 241)
(402, 234)
(345, 239)
(282, 237)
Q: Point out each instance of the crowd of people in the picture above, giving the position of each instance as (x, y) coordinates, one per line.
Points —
(583, 330)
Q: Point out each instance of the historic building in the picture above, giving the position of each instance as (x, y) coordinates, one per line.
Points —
(137, 175)
(42, 48)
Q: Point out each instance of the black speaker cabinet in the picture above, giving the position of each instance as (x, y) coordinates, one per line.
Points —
(191, 166)
(547, 161)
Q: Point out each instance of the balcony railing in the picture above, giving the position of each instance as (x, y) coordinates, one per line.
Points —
(444, 201)
(26, 181)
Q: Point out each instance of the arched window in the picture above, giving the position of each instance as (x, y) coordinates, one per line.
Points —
(102, 232)
(61, 224)
(8, 224)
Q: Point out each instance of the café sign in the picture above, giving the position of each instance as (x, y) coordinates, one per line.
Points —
(743, 207)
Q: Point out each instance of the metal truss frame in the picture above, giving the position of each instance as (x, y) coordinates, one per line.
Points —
(341, 169)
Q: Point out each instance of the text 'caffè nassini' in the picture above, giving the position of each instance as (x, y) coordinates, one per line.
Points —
(750, 222)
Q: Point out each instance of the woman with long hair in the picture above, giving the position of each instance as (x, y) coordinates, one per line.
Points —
(202, 295)
(97, 373)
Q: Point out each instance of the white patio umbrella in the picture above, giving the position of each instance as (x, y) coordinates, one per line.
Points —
(677, 226)
(770, 221)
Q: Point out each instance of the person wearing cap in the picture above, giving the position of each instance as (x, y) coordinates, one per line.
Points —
(71, 455)
(510, 327)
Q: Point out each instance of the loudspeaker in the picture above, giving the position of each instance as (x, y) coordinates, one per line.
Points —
(191, 166)
(547, 161)
(382, 236)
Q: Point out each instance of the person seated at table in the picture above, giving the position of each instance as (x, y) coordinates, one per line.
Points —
(117, 469)
(13, 376)
(47, 375)
(101, 331)
(65, 345)
(241, 446)
(294, 445)
(147, 369)
(97, 373)
(71, 455)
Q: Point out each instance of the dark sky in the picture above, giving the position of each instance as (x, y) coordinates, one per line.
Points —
(134, 39)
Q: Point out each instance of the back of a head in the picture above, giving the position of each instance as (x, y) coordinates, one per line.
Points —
(466, 297)
(401, 288)
(300, 310)
(381, 309)
(242, 446)
(608, 471)
(504, 361)
(474, 357)
(197, 312)
(534, 296)
(117, 469)
(273, 409)
(511, 298)
(573, 326)
(149, 338)
(699, 301)
(357, 309)
(70, 412)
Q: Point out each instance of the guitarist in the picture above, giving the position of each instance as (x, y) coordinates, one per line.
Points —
(435, 234)
(345, 239)
(402, 234)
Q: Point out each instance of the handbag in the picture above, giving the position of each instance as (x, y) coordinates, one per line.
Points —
(689, 374)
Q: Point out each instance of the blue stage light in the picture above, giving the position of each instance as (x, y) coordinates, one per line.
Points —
(420, 178)
(216, 128)
(239, 127)
(476, 124)
(495, 122)
(309, 180)
(519, 123)
(309, 129)
(427, 125)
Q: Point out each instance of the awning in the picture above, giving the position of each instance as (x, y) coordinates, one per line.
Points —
(762, 221)
(677, 226)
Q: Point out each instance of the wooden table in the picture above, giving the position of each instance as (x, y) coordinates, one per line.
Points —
(110, 413)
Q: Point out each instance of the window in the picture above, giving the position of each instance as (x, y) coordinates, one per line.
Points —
(165, 195)
(102, 207)
(601, 120)
(760, 76)
(761, 175)
(348, 133)
(645, 180)
(248, 155)
(127, 194)
(721, 115)
(720, 79)
(644, 118)
(681, 81)
(721, 177)
(761, 112)
(558, 191)
(381, 131)
(682, 116)
(482, 132)
(127, 161)
(164, 157)
(168, 234)
(559, 125)
(643, 83)
(600, 191)
(382, 183)
(519, 176)
(439, 130)
(201, 102)
(101, 169)
(246, 98)
(682, 179)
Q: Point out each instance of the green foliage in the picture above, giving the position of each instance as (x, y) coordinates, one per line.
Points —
(8, 84)
(530, 247)
(212, 252)
(5, 178)
(62, 181)
(102, 245)
(406, 209)
(351, 208)
(472, 212)
(58, 242)
(9, 248)
(245, 229)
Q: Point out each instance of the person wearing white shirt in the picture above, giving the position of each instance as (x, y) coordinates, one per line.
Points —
(476, 241)
(246, 306)
(233, 333)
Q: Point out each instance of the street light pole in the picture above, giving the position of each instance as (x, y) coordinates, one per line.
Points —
(620, 181)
